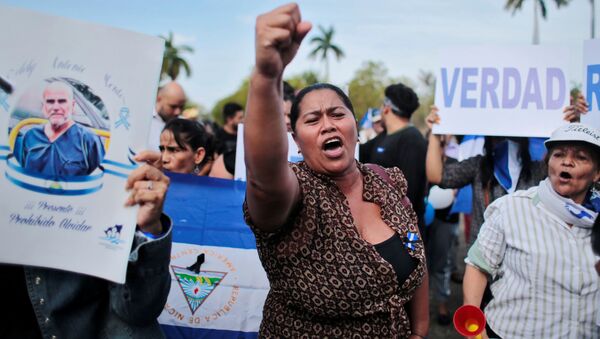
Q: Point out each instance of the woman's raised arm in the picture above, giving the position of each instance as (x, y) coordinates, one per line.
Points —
(272, 188)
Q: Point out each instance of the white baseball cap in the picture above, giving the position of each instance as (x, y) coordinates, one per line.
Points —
(575, 132)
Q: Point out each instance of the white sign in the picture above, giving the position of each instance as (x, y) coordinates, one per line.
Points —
(503, 91)
(591, 81)
(293, 154)
(79, 111)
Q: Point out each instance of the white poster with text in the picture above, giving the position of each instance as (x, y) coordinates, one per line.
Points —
(502, 90)
(75, 108)
(591, 81)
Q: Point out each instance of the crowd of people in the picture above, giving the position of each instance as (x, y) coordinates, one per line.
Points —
(345, 243)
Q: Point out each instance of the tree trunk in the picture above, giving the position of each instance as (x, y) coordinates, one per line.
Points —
(536, 28)
(326, 69)
(593, 19)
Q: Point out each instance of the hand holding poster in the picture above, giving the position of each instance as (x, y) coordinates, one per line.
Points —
(591, 82)
(504, 91)
(79, 111)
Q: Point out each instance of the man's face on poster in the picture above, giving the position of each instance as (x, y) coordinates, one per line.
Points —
(58, 104)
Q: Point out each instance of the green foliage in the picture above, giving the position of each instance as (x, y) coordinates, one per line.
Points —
(324, 45)
(426, 92)
(239, 96)
(173, 62)
(366, 87)
(304, 79)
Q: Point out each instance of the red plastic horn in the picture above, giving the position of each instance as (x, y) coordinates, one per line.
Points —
(469, 321)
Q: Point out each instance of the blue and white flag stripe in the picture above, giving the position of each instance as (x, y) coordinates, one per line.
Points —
(224, 299)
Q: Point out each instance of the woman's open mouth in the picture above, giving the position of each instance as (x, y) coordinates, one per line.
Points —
(565, 175)
(333, 147)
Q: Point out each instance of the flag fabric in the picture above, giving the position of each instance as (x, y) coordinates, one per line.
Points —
(218, 285)
(369, 117)
(507, 164)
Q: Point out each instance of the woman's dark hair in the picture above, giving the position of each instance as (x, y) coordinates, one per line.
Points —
(404, 98)
(191, 134)
(487, 165)
(295, 110)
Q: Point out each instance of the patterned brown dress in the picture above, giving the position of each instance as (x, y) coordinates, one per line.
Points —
(326, 281)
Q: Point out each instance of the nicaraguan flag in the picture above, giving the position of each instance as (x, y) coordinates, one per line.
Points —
(224, 298)
(507, 164)
(368, 118)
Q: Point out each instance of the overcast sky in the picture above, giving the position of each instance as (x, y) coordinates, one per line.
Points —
(405, 35)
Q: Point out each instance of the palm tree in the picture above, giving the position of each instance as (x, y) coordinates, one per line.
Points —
(538, 5)
(172, 59)
(324, 45)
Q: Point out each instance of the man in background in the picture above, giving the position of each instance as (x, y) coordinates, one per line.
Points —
(402, 145)
(169, 105)
(233, 114)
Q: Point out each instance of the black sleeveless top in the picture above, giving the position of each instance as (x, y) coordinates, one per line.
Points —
(394, 252)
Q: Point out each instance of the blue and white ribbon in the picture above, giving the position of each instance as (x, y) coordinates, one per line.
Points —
(123, 118)
(411, 239)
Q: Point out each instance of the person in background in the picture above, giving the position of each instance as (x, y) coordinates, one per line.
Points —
(402, 145)
(490, 175)
(442, 239)
(233, 115)
(185, 147)
(535, 247)
(338, 240)
(170, 101)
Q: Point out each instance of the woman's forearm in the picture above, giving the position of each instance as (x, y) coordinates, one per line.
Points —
(474, 283)
(434, 164)
(418, 309)
(265, 138)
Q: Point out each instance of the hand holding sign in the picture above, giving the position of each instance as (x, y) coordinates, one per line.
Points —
(148, 188)
(573, 112)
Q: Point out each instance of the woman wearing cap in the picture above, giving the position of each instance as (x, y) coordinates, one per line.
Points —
(535, 245)
(486, 173)
(339, 243)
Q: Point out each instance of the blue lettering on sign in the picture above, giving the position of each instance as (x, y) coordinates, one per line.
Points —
(449, 93)
(468, 86)
(480, 87)
(511, 76)
(489, 83)
(593, 86)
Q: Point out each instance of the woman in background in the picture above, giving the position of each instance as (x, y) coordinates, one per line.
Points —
(185, 147)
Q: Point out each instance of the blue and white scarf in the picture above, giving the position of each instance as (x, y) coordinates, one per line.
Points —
(568, 210)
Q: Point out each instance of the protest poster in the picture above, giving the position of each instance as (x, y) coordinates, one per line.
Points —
(76, 111)
(502, 90)
(591, 82)
(222, 295)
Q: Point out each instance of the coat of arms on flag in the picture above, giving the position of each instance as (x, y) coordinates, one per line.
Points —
(197, 286)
